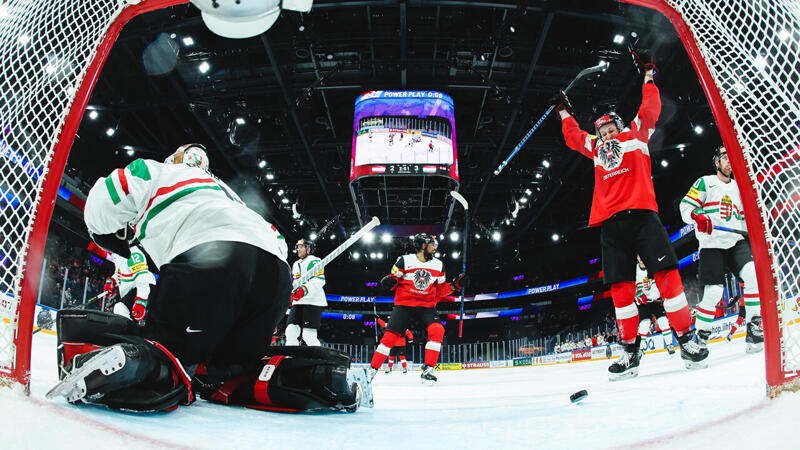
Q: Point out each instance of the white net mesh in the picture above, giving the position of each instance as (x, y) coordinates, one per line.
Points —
(45, 50)
(751, 48)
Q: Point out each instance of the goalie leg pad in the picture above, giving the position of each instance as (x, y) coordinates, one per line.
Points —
(81, 331)
(137, 375)
(295, 383)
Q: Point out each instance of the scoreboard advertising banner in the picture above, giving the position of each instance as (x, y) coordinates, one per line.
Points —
(404, 133)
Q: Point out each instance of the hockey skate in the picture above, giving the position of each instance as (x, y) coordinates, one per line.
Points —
(670, 350)
(362, 380)
(627, 366)
(693, 353)
(428, 378)
(755, 336)
(729, 337)
(388, 370)
(87, 372)
(371, 372)
(702, 338)
(405, 369)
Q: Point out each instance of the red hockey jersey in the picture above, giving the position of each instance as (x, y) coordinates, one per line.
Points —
(621, 165)
(420, 283)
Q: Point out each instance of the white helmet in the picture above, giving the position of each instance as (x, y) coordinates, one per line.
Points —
(193, 155)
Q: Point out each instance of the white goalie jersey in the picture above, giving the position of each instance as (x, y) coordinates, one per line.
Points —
(144, 194)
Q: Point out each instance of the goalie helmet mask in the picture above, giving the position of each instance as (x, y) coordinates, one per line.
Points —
(193, 155)
(309, 244)
(610, 117)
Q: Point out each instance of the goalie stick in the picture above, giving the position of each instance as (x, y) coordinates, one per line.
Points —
(460, 198)
(587, 71)
(337, 251)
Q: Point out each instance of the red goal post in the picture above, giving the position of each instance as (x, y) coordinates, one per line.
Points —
(52, 53)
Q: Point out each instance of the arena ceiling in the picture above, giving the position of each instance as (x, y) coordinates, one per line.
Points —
(276, 112)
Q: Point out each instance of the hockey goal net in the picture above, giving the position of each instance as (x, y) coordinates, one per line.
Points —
(744, 52)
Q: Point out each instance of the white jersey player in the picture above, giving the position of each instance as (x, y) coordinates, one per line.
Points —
(713, 201)
(134, 279)
(308, 300)
(651, 305)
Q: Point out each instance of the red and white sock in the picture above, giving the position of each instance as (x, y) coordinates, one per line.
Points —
(627, 313)
(671, 287)
(382, 352)
(391, 362)
(434, 344)
(403, 361)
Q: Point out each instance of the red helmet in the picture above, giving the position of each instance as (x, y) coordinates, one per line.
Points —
(610, 117)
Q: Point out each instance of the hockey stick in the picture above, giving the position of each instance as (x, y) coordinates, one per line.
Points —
(336, 252)
(731, 230)
(375, 312)
(583, 73)
(88, 302)
(460, 198)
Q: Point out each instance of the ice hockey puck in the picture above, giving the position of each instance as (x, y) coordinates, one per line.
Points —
(578, 396)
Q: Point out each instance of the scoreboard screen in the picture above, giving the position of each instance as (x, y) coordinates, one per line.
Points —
(404, 132)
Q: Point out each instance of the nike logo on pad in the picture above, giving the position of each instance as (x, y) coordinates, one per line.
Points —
(190, 330)
(659, 260)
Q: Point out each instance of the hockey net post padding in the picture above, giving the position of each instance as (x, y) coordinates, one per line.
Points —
(741, 50)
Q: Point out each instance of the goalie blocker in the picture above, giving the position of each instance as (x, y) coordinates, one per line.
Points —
(104, 361)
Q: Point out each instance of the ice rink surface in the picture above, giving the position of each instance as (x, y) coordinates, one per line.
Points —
(666, 406)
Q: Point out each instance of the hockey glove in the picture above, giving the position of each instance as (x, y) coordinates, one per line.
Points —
(644, 63)
(461, 282)
(139, 309)
(109, 286)
(389, 283)
(563, 104)
(299, 293)
(704, 224)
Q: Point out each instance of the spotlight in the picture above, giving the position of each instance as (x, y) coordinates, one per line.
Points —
(437, 254)
(454, 236)
(372, 255)
(523, 200)
(546, 163)
(477, 236)
(496, 236)
(511, 29)
(280, 192)
(664, 163)
(240, 120)
(555, 237)
(618, 39)
(93, 114)
(369, 238)
(262, 164)
(329, 56)
(356, 255)
(380, 255)
(301, 28)
(270, 176)
(454, 255)
(188, 41)
(698, 129)
(203, 67)
(284, 200)
(313, 236)
(333, 236)
(130, 152)
(386, 238)
(110, 132)
(528, 192)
